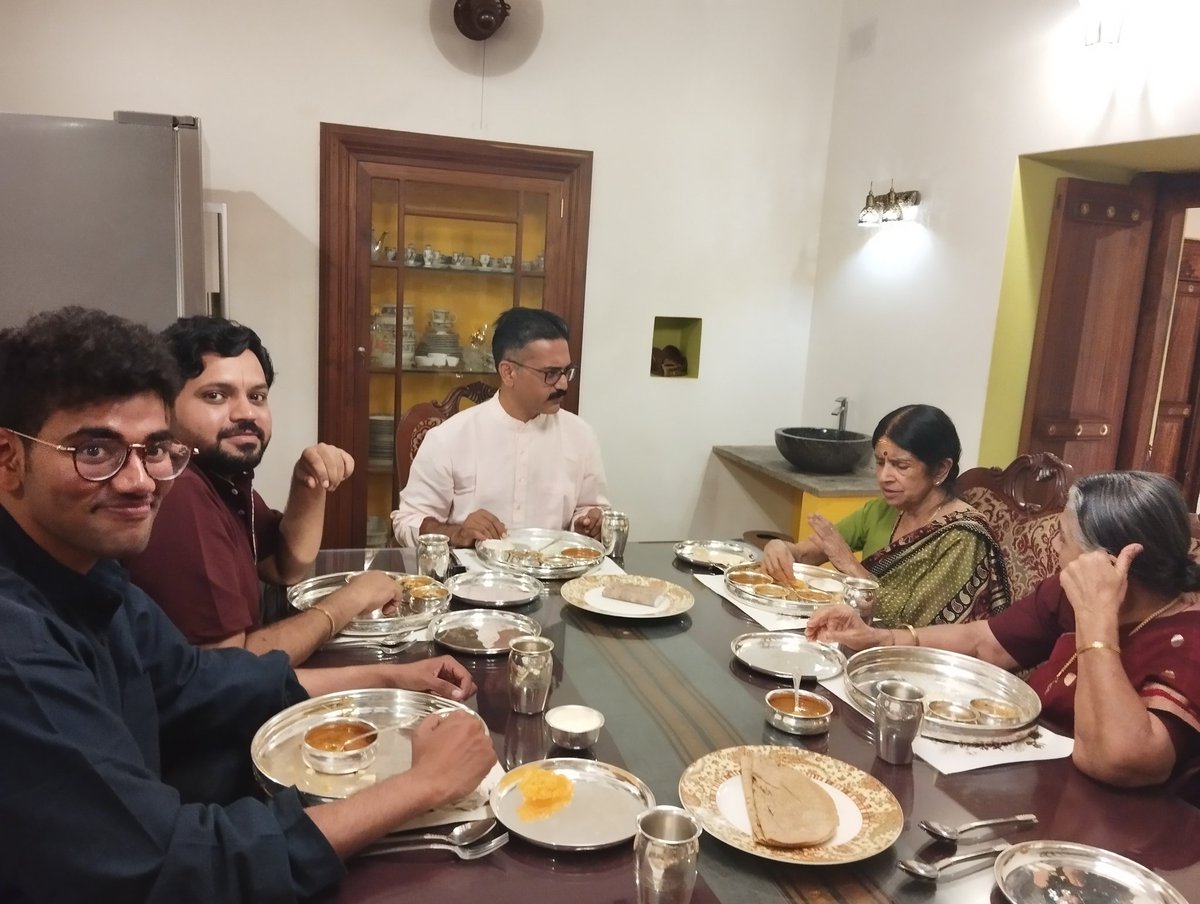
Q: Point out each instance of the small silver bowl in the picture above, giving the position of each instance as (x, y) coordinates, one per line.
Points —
(951, 711)
(814, 715)
(322, 746)
(575, 727)
(991, 711)
(426, 599)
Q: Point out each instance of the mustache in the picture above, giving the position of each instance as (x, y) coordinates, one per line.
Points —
(557, 394)
(242, 427)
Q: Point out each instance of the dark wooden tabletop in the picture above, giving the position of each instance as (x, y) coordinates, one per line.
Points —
(671, 692)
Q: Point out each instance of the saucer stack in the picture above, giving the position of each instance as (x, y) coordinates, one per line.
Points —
(379, 530)
(440, 338)
(408, 337)
(381, 440)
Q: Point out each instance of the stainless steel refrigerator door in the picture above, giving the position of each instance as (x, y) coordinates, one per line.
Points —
(101, 214)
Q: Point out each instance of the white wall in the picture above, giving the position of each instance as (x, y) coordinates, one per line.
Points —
(709, 120)
(943, 97)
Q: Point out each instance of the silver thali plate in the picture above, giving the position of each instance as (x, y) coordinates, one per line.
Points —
(539, 553)
(822, 587)
(717, 553)
(785, 653)
(495, 589)
(1048, 872)
(481, 632)
(373, 624)
(275, 748)
(952, 678)
(602, 811)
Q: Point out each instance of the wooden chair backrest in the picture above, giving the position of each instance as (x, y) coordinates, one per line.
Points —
(1021, 504)
(424, 416)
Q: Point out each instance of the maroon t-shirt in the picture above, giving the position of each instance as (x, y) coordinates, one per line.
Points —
(202, 562)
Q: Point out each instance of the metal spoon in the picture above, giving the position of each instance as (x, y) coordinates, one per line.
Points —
(948, 833)
(931, 871)
(462, 834)
(463, 853)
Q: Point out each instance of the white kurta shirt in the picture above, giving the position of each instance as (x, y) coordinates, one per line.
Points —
(540, 473)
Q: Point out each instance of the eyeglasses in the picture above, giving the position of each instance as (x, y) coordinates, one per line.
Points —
(550, 374)
(102, 458)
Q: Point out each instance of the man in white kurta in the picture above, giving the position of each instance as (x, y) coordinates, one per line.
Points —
(518, 459)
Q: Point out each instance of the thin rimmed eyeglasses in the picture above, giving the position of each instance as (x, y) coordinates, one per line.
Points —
(102, 458)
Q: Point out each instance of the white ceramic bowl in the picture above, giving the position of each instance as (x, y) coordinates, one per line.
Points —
(575, 727)
(451, 361)
(437, 359)
(423, 361)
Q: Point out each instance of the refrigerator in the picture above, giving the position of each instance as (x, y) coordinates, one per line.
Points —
(104, 214)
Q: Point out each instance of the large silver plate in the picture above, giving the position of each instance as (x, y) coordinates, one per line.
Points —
(717, 553)
(1092, 874)
(372, 624)
(784, 653)
(495, 589)
(825, 580)
(603, 809)
(481, 632)
(498, 553)
(275, 748)
(943, 675)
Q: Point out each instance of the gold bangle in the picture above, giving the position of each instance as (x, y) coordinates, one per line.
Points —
(332, 623)
(913, 631)
(1097, 645)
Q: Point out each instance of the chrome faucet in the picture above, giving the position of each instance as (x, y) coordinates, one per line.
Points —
(840, 411)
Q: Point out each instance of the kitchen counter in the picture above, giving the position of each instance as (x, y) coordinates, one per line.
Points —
(767, 461)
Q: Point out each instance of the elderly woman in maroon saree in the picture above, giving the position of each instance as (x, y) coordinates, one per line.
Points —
(1114, 638)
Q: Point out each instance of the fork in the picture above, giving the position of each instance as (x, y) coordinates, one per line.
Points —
(463, 852)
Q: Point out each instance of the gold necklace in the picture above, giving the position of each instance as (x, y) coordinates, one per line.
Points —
(932, 515)
(1145, 621)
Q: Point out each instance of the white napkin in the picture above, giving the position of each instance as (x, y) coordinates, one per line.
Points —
(473, 806)
(469, 559)
(948, 758)
(769, 620)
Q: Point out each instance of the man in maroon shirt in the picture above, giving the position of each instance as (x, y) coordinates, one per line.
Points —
(215, 537)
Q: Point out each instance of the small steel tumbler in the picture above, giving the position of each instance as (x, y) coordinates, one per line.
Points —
(530, 673)
(860, 595)
(666, 854)
(614, 532)
(899, 712)
(433, 556)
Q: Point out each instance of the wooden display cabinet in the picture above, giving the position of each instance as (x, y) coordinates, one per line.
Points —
(457, 231)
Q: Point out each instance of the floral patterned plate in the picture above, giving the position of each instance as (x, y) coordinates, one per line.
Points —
(587, 593)
(869, 816)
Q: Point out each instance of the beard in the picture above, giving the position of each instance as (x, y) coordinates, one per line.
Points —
(217, 460)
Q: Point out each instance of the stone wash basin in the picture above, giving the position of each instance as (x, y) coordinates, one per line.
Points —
(823, 450)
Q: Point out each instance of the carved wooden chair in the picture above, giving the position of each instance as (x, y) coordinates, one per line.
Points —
(1021, 504)
(424, 416)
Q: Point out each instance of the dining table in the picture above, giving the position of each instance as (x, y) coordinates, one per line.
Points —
(671, 692)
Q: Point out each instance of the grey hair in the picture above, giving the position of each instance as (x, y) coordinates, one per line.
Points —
(1116, 508)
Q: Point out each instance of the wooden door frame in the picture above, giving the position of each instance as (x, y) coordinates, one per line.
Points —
(343, 333)
(1176, 192)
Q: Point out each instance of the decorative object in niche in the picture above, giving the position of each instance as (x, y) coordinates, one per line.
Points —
(676, 347)
(480, 19)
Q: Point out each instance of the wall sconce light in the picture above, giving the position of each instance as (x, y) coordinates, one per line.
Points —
(1102, 21)
(887, 208)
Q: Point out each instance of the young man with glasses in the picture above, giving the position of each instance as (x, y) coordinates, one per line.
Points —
(517, 460)
(124, 767)
(216, 538)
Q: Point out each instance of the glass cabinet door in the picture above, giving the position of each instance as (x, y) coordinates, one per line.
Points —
(445, 260)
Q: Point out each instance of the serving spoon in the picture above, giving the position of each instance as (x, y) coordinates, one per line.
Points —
(950, 833)
(462, 834)
(931, 871)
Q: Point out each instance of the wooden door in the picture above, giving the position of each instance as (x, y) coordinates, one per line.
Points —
(440, 191)
(1087, 319)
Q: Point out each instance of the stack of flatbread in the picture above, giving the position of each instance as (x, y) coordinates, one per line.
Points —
(631, 592)
(787, 808)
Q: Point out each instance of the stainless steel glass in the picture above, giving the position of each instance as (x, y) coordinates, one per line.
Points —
(102, 458)
(859, 593)
(433, 556)
(614, 533)
(666, 854)
(530, 673)
(526, 739)
(899, 712)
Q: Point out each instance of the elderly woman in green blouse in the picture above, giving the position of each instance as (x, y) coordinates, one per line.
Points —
(933, 555)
